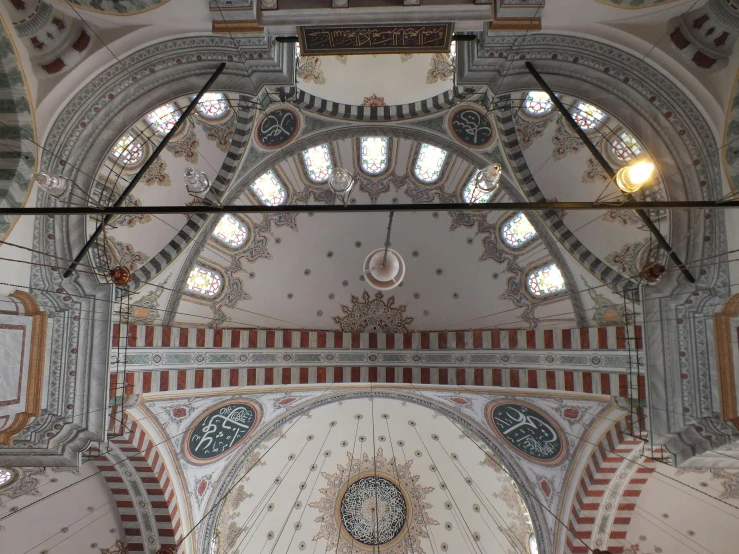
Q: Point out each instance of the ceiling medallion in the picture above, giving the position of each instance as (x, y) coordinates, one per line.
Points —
(373, 316)
(471, 127)
(277, 128)
(528, 431)
(373, 505)
(220, 430)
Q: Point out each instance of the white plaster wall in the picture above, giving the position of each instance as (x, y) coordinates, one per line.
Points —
(16, 275)
(69, 522)
(675, 514)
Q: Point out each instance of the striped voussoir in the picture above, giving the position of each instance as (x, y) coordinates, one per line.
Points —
(426, 107)
(190, 230)
(606, 496)
(509, 140)
(142, 489)
(376, 352)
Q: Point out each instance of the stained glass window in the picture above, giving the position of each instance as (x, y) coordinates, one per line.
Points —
(231, 231)
(204, 282)
(214, 544)
(626, 147)
(546, 280)
(6, 476)
(429, 163)
(587, 116)
(537, 102)
(163, 118)
(269, 189)
(453, 50)
(297, 50)
(374, 154)
(318, 163)
(475, 195)
(212, 104)
(517, 231)
(128, 150)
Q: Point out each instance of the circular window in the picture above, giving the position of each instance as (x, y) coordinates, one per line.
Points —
(373, 510)
(7, 477)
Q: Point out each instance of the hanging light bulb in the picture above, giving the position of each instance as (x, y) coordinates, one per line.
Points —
(488, 179)
(197, 182)
(340, 180)
(633, 177)
(54, 186)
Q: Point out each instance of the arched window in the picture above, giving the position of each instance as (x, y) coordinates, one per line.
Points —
(475, 195)
(127, 150)
(318, 163)
(269, 189)
(587, 116)
(545, 281)
(203, 281)
(533, 546)
(163, 118)
(537, 102)
(7, 476)
(374, 154)
(517, 231)
(429, 163)
(625, 147)
(231, 231)
(212, 105)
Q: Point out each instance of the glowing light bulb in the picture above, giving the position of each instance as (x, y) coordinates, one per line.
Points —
(631, 178)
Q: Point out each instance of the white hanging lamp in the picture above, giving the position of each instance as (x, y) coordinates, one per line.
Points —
(488, 179)
(384, 268)
(53, 185)
(196, 182)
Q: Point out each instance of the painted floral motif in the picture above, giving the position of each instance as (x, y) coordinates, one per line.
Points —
(560, 213)
(519, 521)
(117, 548)
(442, 69)
(528, 131)
(145, 311)
(374, 100)
(405, 57)
(341, 59)
(373, 315)
(309, 70)
(125, 254)
(186, 147)
(627, 260)
(606, 312)
(401, 476)
(157, 175)
(130, 220)
(221, 134)
(594, 172)
(565, 143)
(621, 217)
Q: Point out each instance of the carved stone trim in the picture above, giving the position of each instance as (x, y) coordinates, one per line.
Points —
(724, 340)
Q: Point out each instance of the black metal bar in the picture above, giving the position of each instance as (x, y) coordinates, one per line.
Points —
(567, 116)
(355, 208)
(147, 164)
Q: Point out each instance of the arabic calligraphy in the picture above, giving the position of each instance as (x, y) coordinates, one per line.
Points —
(220, 430)
(277, 127)
(527, 430)
(358, 39)
(472, 127)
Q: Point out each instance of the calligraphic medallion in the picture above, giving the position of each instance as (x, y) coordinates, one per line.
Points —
(220, 430)
(526, 429)
(471, 127)
(373, 510)
(277, 128)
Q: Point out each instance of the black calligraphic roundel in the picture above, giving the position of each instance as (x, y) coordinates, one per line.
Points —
(472, 127)
(527, 430)
(221, 430)
(277, 127)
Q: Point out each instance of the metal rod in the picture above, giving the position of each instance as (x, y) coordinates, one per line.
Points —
(387, 238)
(354, 208)
(140, 174)
(567, 116)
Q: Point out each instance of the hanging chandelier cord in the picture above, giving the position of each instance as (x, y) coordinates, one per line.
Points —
(387, 238)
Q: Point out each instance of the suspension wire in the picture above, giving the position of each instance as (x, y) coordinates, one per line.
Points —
(358, 417)
(448, 492)
(126, 458)
(223, 497)
(425, 522)
(113, 505)
(481, 497)
(300, 491)
(318, 474)
(488, 396)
